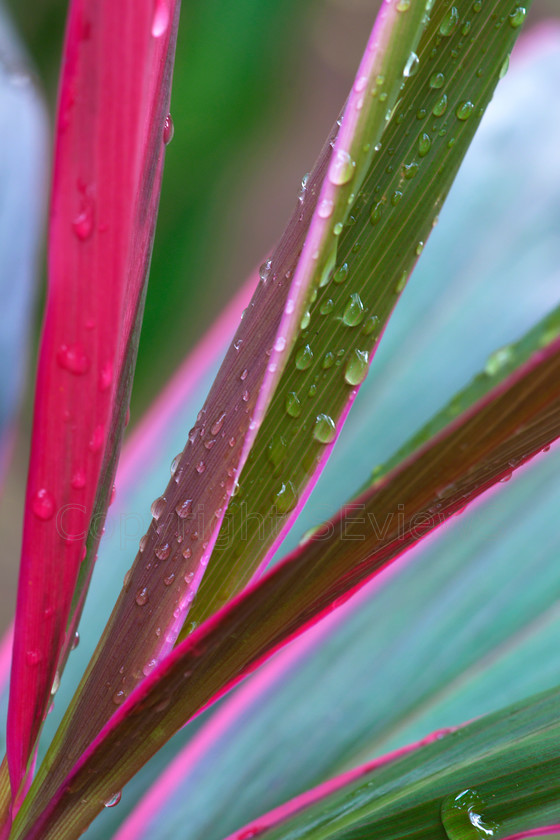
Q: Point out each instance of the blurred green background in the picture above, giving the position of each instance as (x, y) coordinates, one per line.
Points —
(257, 86)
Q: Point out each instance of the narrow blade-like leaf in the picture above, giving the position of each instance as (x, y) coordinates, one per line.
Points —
(108, 162)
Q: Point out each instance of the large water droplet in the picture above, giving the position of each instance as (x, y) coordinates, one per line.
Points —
(142, 596)
(440, 107)
(357, 367)
(464, 110)
(342, 167)
(158, 506)
(517, 17)
(43, 505)
(411, 65)
(449, 22)
(304, 357)
(325, 429)
(162, 551)
(293, 404)
(113, 800)
(462, 817)
(354, 312)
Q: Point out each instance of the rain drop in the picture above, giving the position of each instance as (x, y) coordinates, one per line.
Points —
(464, 110)
(160, 20)
(142, 596)
(449, 22)
(113, 800)
(184, 509)
(462, 817)
(158, 506)
(286, 498)
(43, 505)
(162, 551)
(168, 129)
(73, 359)
(517, 17)
(342, 167)
(354, 312)
(325, 429)
(357, 367)
(304, 357)
(293, 404)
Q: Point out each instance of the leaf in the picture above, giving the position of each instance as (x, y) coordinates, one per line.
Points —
(499, 773)
(155, 599)
(23, 183)
(105, 191)
(520, 416)
(391, 219)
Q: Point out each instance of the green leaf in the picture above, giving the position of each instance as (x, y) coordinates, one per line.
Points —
(391, 219)
(500, 773)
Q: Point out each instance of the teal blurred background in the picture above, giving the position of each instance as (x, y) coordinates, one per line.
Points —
(257, 86)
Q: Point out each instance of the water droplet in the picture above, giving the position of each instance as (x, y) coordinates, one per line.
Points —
(410, 170)
(464, 110)
(505, 67)
(342, 167)
(419, 248)
(396, 197)
(217, 426)
(175, 463)
(370, 325)
(306, 320)
(328, 360)
(184, 509)
(33, 657)
(142, 596)
(326, 307)
(401, 282)
(158, 506)
(168, 129)
(75, 641)
(517, 17)
(325, 208)
(78, 480)
(113, 800)
(424, 144)
(56, 683)
(354, 312)
(403, 5)
(437, 81)
(304, 357)
(341, 273)
(293, 404)
(264, 271)
(82, 224)
(286, 498)
(449, 22)
(377, 212)
(96, 439)
(187, 553)
(498, 360)
(119, 697)
(325, 429)
(43, 504)
(337, 229)
(200, 467)
(162, 551)
(462, 817)
(160, 20)
(73, 359)
(169, 579)
(411, 65)
(440, 107)
(357, 367)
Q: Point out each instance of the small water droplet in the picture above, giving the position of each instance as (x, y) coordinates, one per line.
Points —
(437, 81)
(158, 506)
(293, 404)
(162, 551)
(119, 697)
(462, 817)
(325, 208)
(306, 320)
(168, 130)
(96, 439)
(286, 498)
(517, 17)
(78, 480)
(342, 167)
(424, 144)
(419, 248)
(75, 641)
(304, 357)
(169, 579)
(449, 22)
(73, 359)
(370, 325)
(82, 223)
(184, 509)
(464, 110)
(403, 5)
(328, 360)
(354, 312)
(498, 360)
(341, 273)
(326, 307)
(411, 65)
(33, 657)
(142, 596)
(43, 505)
(440, 107)
(325, 429)
(505, 67)
(200, 467)
(357, 367)
(264, 271)
(113, 800)
(217, 426)
(149, 667)
(56, 683)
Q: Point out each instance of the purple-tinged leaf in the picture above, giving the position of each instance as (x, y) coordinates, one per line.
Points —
(514, 421)
(108, 162)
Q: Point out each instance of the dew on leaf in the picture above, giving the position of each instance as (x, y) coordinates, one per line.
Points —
(464, 110)
(285, 499)
(437, 81)
(325, 429)
(293, 404)
(142, 596)
(341, 273)
(304, 357)
(440, 107)
(354, 311)
(113, 800)
(498, 360)
(162, 551)
(73, 358)
(517, 17)
(43, 505)
(342, 167)
(326, 307)
(462, 815)
(356, 367)
(424, 144)
(157, 507)
(160, 20)
(168, 129)
(449, 22)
